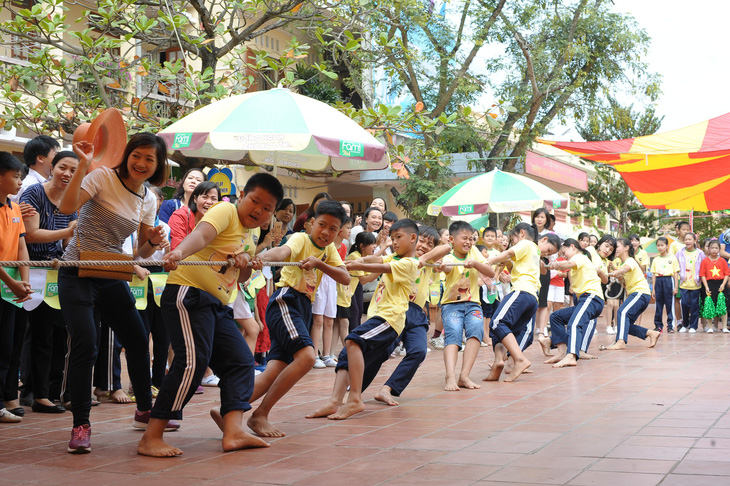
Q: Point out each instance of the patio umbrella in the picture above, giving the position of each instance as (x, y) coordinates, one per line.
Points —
(496, 192)
(277, 128)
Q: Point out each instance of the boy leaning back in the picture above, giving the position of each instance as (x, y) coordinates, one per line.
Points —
(202, 329)
(289, 313)
(367, 344)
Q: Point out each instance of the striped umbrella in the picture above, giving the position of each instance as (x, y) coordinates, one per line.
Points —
(277, 128)
(496, 192)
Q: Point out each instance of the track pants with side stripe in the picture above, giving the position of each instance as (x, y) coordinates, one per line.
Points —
(202, 333)
(570, 324)
(629, 311)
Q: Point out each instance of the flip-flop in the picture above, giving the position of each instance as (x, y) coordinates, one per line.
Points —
(603, 347)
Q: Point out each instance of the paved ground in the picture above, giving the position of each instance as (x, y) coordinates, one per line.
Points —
(634, 417)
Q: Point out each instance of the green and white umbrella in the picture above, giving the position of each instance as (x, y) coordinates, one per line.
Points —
(277, 128)
(496, 192)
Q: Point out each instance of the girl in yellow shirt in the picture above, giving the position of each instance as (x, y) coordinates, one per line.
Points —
(570, 324)
(637, 300)
(517, 310)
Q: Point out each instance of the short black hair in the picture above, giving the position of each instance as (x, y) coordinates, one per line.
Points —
(663, 239)
(390, 216)
(203, 188)
(8, 163)
(405, 224)
(267, 182)
(331, 208)
(428, 232)
(458, 226)
(363, 238)
(489, 229)
(62, 155)
(40, 145)
(146, 139)
(285, 203)
(682, 223)
(346, 220)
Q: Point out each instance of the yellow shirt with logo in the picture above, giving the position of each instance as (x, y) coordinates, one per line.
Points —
(462, 284)
(642, 258)
(634, 279)
(306, 281)
(344, 292)
(664, 266)
(231, 238)
(595, 257)
(583, 277)
(689, 283)
(675, 247)
(392, 296)
(422, 287)
(526, 267)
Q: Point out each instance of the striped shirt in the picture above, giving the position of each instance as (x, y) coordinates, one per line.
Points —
(50, 218)
(111, 215)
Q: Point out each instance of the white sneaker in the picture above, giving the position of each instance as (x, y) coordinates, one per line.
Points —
(437, 343)
(318, 363)
(610, 330)
(329, 361)
(400, 350)
(211, 380)
(725, 331)
(692, 331)
(684, 329)
(710, 330)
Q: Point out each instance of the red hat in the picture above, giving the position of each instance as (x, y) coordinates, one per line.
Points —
(108, 134)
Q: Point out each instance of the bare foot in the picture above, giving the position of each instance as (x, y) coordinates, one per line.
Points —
(545, 343)
(262, 427)
(467, 383)
(118, 396)
(495, 372)
(347, 410)
(240, 439)
(520, 366)
(157, 448)
(584, 355)
(325, 411)
(451, 385)
(215, 414)
(618, 345)
(384, 396)
(554, 359)
(568, 360)
(653, 337)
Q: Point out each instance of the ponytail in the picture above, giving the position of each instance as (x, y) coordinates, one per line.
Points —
(363, 238)
(574, 243)
(529, 229)
(626, 242)
(553, 239)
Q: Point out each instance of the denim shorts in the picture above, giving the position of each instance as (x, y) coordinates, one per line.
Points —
(461, 317)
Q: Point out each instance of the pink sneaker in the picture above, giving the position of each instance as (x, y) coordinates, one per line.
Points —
(80, 442)
(142, 419)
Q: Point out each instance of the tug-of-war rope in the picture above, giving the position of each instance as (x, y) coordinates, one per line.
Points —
(56, 264)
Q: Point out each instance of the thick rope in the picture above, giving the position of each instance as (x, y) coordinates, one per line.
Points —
(56, 264)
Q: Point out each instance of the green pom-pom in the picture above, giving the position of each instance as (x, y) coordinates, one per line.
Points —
(708, 309)
(721, 306)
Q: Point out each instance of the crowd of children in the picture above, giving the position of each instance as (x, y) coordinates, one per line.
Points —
(481, 288)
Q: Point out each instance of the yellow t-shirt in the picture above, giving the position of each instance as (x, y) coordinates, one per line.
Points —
(664, 266)
(583, 277)
(526, 267)
(344, 292)
(392, 296)
(634, 279)
(596, 259)
(306, 281)
(231, 238)
(675, 247)
(642, 258)
(462, 284)
(689, 271)
(421, 289)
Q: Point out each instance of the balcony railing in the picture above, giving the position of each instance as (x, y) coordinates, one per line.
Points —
(18, 50)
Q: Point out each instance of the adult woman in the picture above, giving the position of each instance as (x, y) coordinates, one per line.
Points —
(285, 214)
(46, 231)
(309, 213)
(113, 203)
(379, 202)
(181, 198)
(372, 221)
(541, 220)
(184, 220)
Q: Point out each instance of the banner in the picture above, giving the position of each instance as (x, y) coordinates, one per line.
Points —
(38, 284)
(158, 284)
(5, 292)
(51, 295)
(139, 292)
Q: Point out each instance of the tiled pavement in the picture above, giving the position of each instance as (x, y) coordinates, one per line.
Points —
(635, 417)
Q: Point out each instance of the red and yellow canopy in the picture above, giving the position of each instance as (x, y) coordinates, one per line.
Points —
(682, 169)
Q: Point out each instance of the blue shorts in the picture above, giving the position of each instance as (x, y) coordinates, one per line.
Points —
(289, 318)
(374, 337)
(460, 318)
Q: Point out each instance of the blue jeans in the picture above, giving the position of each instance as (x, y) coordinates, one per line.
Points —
(459, 318)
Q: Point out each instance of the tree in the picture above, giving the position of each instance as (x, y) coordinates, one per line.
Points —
(561, 58)
(183, 54)
(608, 193)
